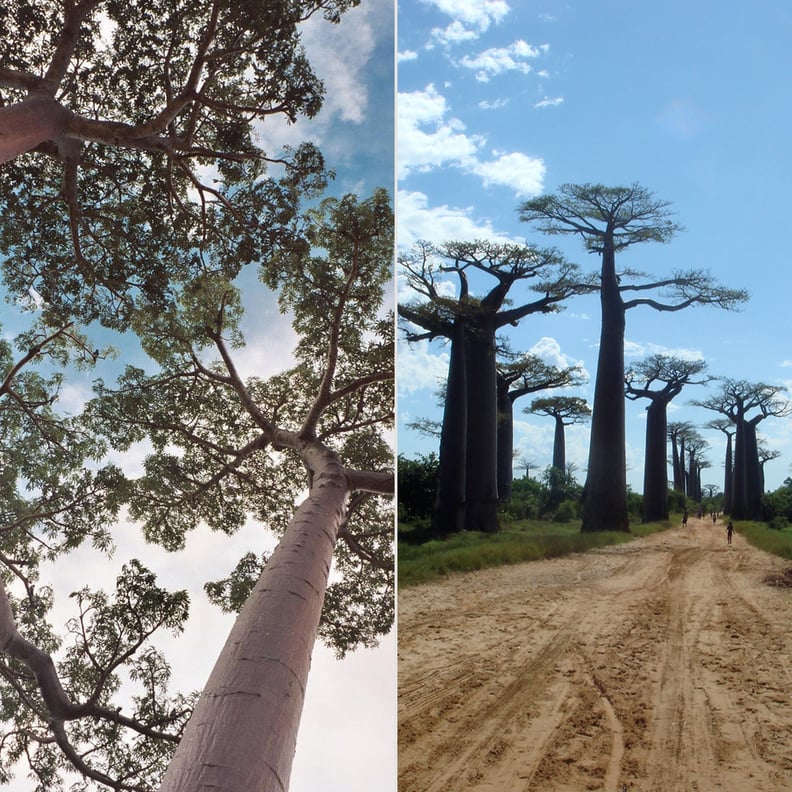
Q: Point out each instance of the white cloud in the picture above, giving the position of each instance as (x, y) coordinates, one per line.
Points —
(339, 53)
(497, 60)
(549, 350)
(548, 102)
(635, 349)
(476, 13)
(420, 367)
(494, 105)
(429, 137)
(417, 220)
(524, 174)
(455, 33)
(407, 55)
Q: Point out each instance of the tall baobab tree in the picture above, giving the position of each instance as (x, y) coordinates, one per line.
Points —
(659, 378)
(468, 447)
(727, 427)
(609, 220)
(746, 405)
(565, 411)
(517, 378)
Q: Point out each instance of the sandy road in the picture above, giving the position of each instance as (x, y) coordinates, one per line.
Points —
(664, 664)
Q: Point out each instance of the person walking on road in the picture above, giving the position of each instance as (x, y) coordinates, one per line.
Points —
(729, 532)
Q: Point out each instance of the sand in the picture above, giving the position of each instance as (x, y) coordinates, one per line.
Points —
(663, 664)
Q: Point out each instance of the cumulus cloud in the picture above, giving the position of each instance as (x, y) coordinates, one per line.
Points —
(455, 33)
(339, 54)
(477, 14)
(430, 137)
(497, 60)
(420, 367)
(525, 175)
(549, 350)
(417, 220)
(407, 55)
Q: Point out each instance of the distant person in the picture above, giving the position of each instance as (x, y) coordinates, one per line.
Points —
(714, 518)
(684, 519)
(729, 532)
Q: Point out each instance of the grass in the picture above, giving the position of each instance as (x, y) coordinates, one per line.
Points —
(771, 540)
(526, 540)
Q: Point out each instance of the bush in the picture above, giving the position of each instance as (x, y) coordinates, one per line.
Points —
(566, 512)
(417, 486)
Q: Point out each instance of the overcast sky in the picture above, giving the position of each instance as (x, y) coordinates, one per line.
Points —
(502, 101)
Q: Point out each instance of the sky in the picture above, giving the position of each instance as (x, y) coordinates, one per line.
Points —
(347, 734)
(502, 101)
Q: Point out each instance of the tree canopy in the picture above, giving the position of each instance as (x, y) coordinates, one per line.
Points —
(143, 118)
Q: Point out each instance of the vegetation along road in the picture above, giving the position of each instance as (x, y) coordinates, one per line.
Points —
(661, 664)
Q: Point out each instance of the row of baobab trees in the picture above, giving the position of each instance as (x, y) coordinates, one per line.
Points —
(476, 433)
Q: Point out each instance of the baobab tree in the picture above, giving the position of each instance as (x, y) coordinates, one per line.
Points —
(695, 445)
(678, 432)
(225, 449)
(727, 427)
(517, 378)
(659, 378)
(128, 134)
(745, 405)
(609, 220)
(468, 479)
(565, 411)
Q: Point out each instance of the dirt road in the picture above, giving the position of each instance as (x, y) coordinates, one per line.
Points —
(664, 664)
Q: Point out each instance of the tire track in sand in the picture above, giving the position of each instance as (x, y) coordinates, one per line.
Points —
(661, 664)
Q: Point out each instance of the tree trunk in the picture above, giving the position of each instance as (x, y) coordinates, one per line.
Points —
(481, 492)
(605, 498)
(655, 489)
(25, 125)
(449, 514)
(242, 734)
(505, 440)
(559, 445)
(676, 466)
(753, 473)
(728, 479)
(740, 493)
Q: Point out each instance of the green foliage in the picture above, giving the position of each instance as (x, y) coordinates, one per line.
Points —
(417, 486)
(231, 593)
(777, 541)
(522, 541)
(777, 505)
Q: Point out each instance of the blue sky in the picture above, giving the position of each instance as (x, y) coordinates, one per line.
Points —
(499, 102)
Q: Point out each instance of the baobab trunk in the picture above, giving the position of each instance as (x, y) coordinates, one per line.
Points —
(481, 491)
(242, 734)
(739, 508)
(728, 478)
(28, 124)
(559, 444)
(753, 473)
(655, 490)
(605, 492)
(505, 441)
(449, 514)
